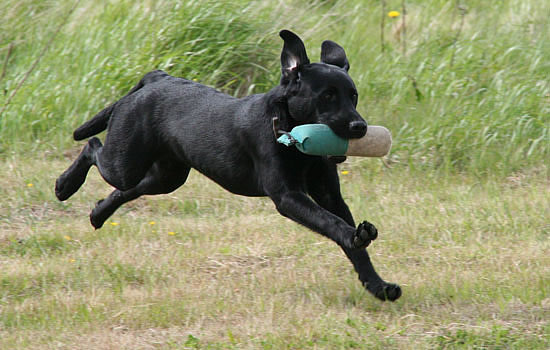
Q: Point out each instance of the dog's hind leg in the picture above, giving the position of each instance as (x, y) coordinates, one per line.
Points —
(70, 181)
(164, 176)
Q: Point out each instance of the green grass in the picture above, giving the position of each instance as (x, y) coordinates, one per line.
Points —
(461, 202)
(480, 101)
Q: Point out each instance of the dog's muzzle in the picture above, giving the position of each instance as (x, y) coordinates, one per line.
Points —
(357, 129)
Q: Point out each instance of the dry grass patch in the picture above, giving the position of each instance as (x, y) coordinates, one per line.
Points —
(202, 268)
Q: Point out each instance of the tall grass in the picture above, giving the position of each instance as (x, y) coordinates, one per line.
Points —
(479, 103)
(471, 94)
(107, 47)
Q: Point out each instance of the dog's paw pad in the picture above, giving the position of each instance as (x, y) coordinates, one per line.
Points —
(365, 233)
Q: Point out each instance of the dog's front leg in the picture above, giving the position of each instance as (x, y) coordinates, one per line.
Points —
(297, 206)
(324, 188)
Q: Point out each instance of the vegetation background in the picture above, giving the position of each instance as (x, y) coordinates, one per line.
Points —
(462, 202)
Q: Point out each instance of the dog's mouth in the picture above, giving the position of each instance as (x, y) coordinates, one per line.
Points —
(350, 132)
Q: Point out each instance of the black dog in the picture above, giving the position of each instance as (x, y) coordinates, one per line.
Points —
(165, 126)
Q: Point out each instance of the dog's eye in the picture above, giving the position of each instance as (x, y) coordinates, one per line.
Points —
(329, 95)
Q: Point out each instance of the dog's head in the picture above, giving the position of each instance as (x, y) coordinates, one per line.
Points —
(321, 92)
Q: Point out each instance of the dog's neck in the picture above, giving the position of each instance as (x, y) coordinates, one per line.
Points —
(281, 119)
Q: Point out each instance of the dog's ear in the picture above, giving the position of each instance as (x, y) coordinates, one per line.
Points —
(332, 53)
(293, 55)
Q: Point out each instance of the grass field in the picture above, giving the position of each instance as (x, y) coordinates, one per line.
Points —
(205, 269)
(462, 203)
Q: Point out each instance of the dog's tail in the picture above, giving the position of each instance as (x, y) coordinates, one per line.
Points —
(95, 125)
(101, 120)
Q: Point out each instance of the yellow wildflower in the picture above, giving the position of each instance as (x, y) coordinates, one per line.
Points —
(393, 14)
(172, 233)
(114, 223)
(152, 222)
(345, 172)
(30, 185)
(72, 260)
(68, 238)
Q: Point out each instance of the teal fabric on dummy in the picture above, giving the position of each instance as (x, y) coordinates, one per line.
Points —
(315, 140)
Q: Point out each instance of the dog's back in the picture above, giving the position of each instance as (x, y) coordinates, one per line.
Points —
(100, 121)
(201, 126)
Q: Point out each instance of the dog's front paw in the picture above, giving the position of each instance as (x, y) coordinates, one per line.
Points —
(365, 233)
(385, 291)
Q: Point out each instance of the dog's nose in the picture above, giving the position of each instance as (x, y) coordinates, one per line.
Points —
(358, 127)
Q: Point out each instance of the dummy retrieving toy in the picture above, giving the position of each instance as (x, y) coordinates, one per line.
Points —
(320, 140)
